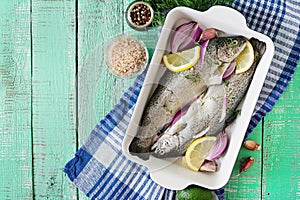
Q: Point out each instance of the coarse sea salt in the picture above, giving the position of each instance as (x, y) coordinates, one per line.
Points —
(126, 57)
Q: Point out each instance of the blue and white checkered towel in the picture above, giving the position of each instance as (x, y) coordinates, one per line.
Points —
(99, 168)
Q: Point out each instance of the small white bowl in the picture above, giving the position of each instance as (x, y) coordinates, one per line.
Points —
(125, 56)
(170, 173)
(130, 20)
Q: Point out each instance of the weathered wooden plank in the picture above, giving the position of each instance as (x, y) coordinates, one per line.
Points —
(248, 184)
(281, 166)
(98, 91)
(53, 96)
(15, 101)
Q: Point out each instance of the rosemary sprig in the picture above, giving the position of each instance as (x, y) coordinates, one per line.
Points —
(161, 8)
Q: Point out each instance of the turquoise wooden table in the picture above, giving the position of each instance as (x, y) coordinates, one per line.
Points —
(53, 92)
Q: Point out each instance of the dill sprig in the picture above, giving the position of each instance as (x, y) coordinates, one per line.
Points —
(161, 8)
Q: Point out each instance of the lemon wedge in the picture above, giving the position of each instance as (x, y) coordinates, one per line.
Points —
(197, 151)
(245, 60)
(183, 60)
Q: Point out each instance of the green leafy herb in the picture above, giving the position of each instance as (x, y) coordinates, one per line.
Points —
(233, 115)
(214, 98)
(226, 83)
(161, 8)
(192, 78)
(236, 113)
(217, 63)
(222, 64)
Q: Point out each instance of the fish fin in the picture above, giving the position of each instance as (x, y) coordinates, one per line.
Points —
(137, 149)
(200, 134)
(258, 46)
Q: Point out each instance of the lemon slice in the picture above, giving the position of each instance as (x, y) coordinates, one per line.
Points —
(245, 60)
(197, 151)
(183, 60)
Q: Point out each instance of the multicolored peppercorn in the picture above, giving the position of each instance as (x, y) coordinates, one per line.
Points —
(140, 14)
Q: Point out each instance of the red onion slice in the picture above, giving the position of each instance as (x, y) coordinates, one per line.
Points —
(219, 147)
(185, 36)
(229, 70)
(178, 115)
(203, 50)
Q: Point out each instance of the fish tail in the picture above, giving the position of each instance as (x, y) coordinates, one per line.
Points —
(258, 46)
(136, 149)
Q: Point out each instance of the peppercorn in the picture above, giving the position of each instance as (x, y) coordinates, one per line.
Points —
(140, 14)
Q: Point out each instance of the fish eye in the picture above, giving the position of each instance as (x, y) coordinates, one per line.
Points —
(165, 143)
(161, 152)
(235, 42)
(156, 150)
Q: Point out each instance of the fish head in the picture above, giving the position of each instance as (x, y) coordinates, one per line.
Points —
(228, 48)
(165, 145)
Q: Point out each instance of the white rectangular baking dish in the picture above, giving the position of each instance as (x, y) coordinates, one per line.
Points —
(169, 172)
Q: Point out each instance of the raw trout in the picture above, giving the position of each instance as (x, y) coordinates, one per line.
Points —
(170, 96)
(177, 90)
(207, 115)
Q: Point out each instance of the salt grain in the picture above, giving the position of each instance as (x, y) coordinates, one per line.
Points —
(127, 56)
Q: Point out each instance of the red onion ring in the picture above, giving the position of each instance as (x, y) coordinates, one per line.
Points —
(185, 36)
(219, 147)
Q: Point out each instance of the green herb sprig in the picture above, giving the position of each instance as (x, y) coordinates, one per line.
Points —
(161, 8)
(194, 79)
